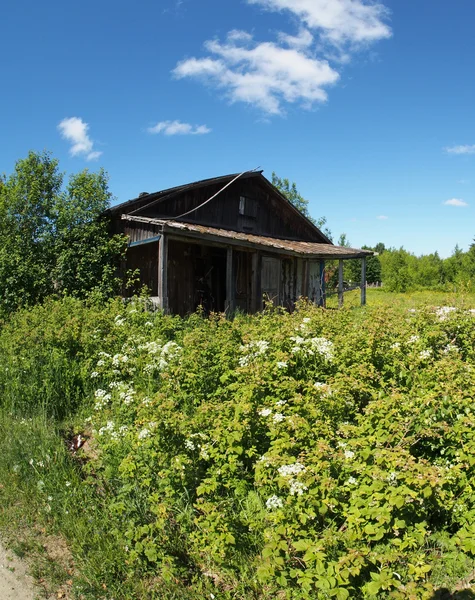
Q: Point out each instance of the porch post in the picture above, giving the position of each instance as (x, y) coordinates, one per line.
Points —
(323, 295)
(363, 281)
(163, 273)
(306, 278)
(229, 307)
(340, 283)
(256, 295)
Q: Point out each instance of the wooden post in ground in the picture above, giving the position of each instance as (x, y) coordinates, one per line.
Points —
(340, 283)
(323, 295)
(363, 281)
(163, 273)
(229, 282)
(256, 296)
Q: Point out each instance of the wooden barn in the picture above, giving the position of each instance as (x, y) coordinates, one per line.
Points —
(227, 243)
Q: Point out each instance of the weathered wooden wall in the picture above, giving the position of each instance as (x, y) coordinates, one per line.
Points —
(266, 214)
(143, 258)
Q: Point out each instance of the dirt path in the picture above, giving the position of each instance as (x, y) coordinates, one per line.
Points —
(15, 583)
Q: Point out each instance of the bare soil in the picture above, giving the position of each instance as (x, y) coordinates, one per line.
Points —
(15, 583)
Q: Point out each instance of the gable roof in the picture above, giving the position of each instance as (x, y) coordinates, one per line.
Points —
(144, 201)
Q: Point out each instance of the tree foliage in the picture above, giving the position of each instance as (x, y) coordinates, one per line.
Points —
(54, 240)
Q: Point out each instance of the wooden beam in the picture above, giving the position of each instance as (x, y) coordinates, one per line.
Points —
(323, 295)
(256, 295)
(163, 273)
(340, 284)
(146, 241)
(230, 303)
(363, 281)
(306, 278)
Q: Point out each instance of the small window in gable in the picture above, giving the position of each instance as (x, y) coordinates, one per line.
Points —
(248, 207)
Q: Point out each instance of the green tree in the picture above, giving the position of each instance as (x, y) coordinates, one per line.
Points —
(396, 271)
(54, 240)
(290, 191)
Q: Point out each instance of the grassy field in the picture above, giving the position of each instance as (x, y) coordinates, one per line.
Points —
(322, 454)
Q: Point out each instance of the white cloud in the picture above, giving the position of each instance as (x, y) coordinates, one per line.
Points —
(465, 149)
(382, 218)
(74, 130)
(304, 39)
(294, 69)
(455, 202)
(178, 128)
(337, 21)
(262, 74)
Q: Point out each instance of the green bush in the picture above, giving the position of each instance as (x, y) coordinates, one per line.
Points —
(323, 454)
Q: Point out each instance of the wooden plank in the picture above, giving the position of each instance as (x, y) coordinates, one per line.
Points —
(229, 282)
(146, 241)
(363, 281)
(340, 283)
(256, 296)
(306, 279)
(163, 273)
(271, 275)
(323, 296)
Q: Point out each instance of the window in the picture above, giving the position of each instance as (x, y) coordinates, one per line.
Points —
(248, 207)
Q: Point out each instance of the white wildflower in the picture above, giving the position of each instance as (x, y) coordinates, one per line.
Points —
(67, 484)
(282, 365)
(396, 345)
(144, 433)
(349, 454)
(297, 488)
(264, 412)
(451, 348)
(94, 374)
(281, 402)
(425, 354)
(323, 388)
(392, 478)
(443, 312)
(352, 481)
(292, 469)
(278, 418)
(101, 363)
(274, 502)
(189, 445)
(413, 339)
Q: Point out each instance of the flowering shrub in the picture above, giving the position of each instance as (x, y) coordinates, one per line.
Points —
(323, 454)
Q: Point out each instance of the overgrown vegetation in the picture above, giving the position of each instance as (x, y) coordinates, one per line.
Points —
(323, 454)
(55, 240)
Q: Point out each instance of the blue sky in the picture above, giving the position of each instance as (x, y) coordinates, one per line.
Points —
(368, 106)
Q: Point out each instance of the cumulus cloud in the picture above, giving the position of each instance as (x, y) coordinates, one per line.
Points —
(464, 149)
(293, 69)
(382, 218)
(178, 128)
(337, 21)
(455, 202)
(262, 74)
(74, 130)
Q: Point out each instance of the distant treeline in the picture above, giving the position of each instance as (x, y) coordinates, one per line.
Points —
(401, 271)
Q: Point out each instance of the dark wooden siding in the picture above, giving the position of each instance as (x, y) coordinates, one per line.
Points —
(265, 214)
(144, 259)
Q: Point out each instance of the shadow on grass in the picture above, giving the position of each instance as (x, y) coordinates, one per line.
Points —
(445, 594)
